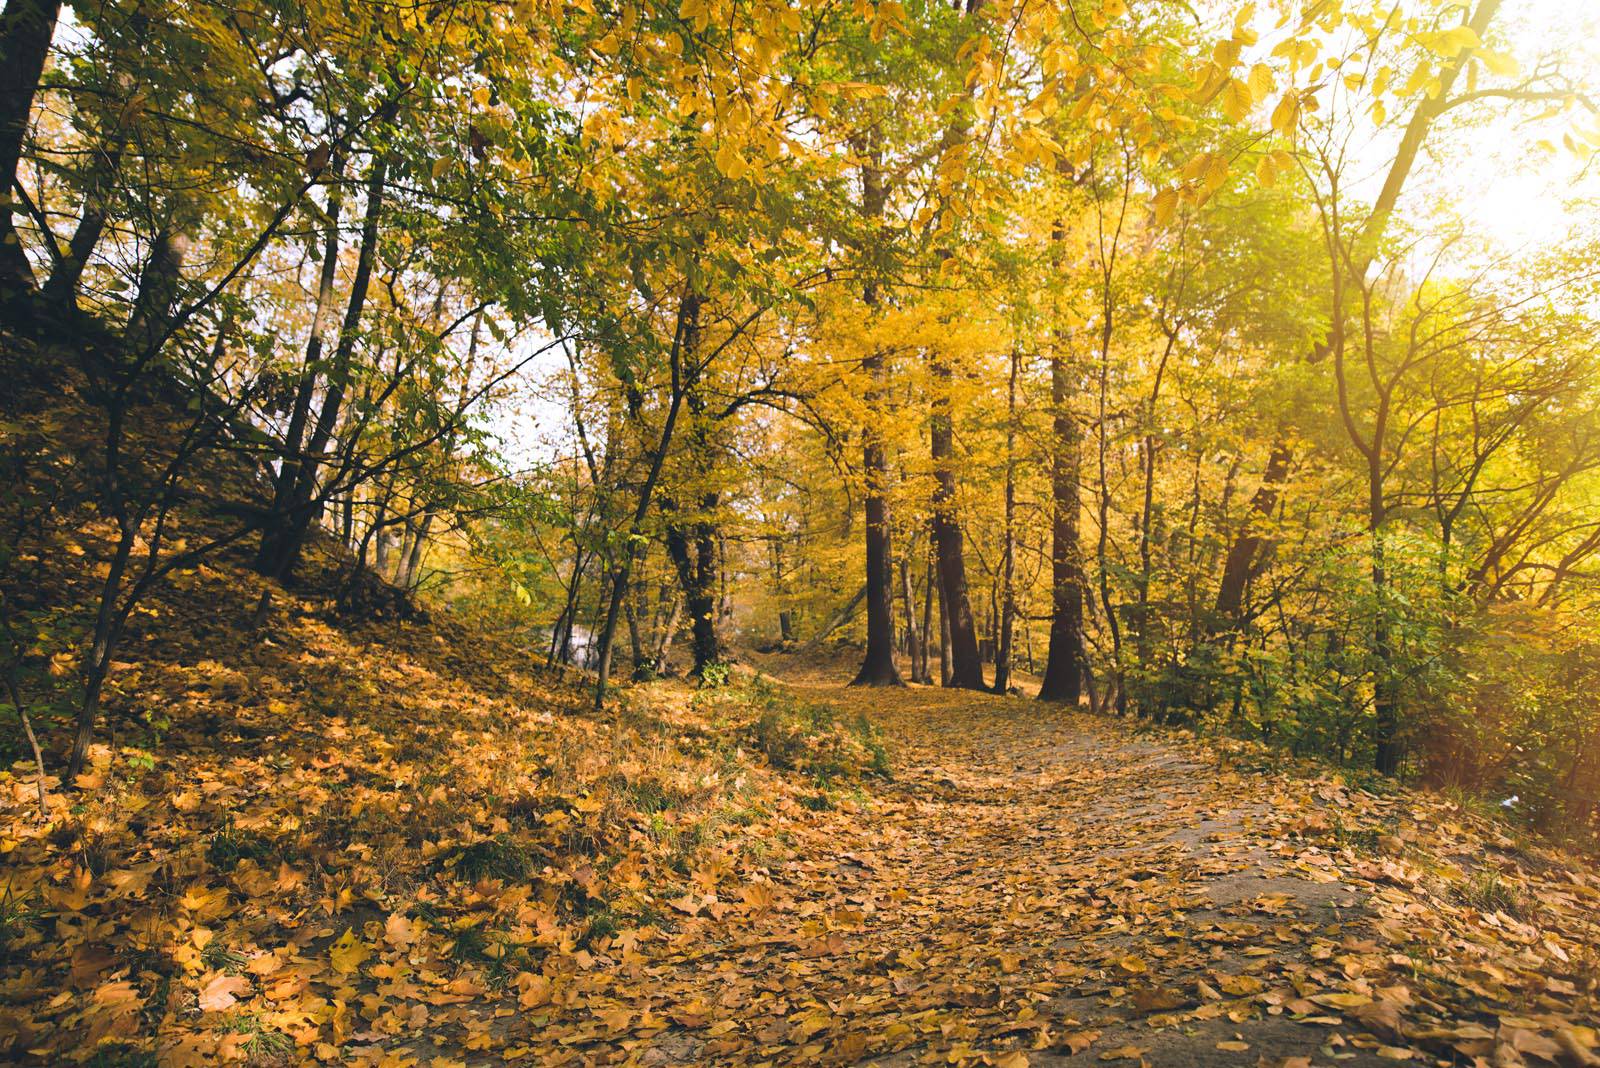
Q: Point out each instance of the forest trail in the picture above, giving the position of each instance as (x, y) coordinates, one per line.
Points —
(1037, 880)
(1042, 887)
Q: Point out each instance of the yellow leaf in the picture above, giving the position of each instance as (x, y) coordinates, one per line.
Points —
(1166, 205)
(1261, 80)
(1342, 1001)
(730, 162)
(349, 952)
(1497, 62)
(1449, 43)
(532, 990)
(1236, 100)
(1286, 116)
(220, 991)
(1266, 173)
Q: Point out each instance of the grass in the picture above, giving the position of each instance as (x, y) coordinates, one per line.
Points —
(491, 858)
(219, 957)
(19, 918)
(229, 845)
(264, 1046)
(121, 1055)
(796, 735)
(1487, 892)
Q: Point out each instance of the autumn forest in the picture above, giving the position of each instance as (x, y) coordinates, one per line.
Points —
(993, 532)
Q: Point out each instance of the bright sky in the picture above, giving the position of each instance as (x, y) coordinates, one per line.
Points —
(1492, 173)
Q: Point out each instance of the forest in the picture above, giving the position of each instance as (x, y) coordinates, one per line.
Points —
(588, 496)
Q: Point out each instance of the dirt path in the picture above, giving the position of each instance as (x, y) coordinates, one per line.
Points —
(1036, 887)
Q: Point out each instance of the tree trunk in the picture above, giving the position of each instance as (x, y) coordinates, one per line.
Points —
(411, 562)
(686, 339)
(966, 664)
(1385, 699)
(838, 618)
(926, 635)
(1008, 563)
(158, 290)
(693, 552)
(1251, 544)
(304, 505)
(944, 634)
(1064, 664)
(914, 650)
(61, 288)
(669, 631)
(103, 643)
(26, 28)
(305, 392)
(878, 666)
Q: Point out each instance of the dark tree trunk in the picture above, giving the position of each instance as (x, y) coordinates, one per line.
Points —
(287, 536)
(411, 561)
(693, 550)
(1251, 545)
(61, 288)
(1251, 542)
(669, 631)
(290, 458)
(926, 636)
(685, 342)
(26, 28)
(966, 664)
(152, 314)
(944, 633)
(1008, 562)
(1064, 666)
(878, 666)
(914, 650)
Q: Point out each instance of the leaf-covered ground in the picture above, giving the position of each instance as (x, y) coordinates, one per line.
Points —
(401, 844)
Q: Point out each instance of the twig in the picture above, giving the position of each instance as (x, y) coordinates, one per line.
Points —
(33, 740)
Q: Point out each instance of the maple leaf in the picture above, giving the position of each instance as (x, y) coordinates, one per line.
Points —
(219, 991)
(348, 953)
(400, 931)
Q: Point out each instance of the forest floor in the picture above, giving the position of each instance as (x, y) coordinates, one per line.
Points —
(386, 843)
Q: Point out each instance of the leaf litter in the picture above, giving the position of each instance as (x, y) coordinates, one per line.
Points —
(398, 846)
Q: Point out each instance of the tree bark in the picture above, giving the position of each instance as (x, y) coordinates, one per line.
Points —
(26, 28)
(686, 339)
(914, 650)
(966, 664)
(290, 457)
(1008, 564)
(1065, 661)
(294, 526)
(926, 636)
(1251, 544)
(838, 618)
(694, 557)
(877, 666)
